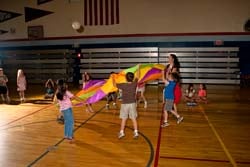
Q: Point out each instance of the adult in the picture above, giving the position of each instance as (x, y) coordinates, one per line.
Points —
(3, 87)
(174, 66)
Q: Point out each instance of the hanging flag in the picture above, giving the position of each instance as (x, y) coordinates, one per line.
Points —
(101, 12)
(31, 13)
(39, 2)
(6, 15)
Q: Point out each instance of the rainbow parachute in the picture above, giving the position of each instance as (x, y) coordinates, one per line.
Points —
(95, 90)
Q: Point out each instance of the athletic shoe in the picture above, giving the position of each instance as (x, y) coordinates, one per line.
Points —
(165, 124)
(71, 140)
(194, 104)
(60, 120)
(179, 119)
(121, 135)
(136, 135)
(115, 105)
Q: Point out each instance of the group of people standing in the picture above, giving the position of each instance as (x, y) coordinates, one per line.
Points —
(21, 86)
(172, 95)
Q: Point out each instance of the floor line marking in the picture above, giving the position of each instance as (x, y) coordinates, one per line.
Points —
(157, 151)
(202, 159)
(233, 162)
(26, 115)
(61, 140)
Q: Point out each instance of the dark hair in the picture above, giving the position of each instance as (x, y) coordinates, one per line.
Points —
(60, 82)
(85, 79)
(61, 89)
(176, 77)
(204, 86)
(59, 95)
(130, 76)
(176, 61)
(189, 86)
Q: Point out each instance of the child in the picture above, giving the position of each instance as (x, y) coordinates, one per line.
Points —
(170, 84)
(119, 95)
(3, 87)
(190, 95)
(49, 88)
(21, 84)
(64, 97)
(128, 106)
(140, 93)
(60, 85)
(86, 78)
(202, 93)
(177, 98)
(112, 96)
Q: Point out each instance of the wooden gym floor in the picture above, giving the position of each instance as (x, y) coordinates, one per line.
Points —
(211, 135)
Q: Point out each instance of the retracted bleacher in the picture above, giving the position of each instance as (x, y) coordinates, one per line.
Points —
(211, 65)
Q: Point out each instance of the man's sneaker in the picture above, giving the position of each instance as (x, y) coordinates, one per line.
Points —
(165, 124)
(136, 135)
(121, 135)
(179, 119)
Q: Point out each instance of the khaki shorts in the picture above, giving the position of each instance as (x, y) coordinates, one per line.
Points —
(128, 111)
(142, 89)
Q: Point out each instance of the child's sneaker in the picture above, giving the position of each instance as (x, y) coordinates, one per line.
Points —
(71, 140)
(121, 135)
(145, 104)
(165, 124)
(136, 135)
(179, 119)
(60, 120)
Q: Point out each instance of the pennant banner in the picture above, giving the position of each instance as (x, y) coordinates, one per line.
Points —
(7, 15)
(39, 2)
(32, 14)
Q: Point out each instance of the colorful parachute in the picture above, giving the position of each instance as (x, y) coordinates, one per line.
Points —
(95, 90)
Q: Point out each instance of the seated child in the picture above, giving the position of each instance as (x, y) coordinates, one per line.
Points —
(50, 91)
(202, 94)
(190, 95)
